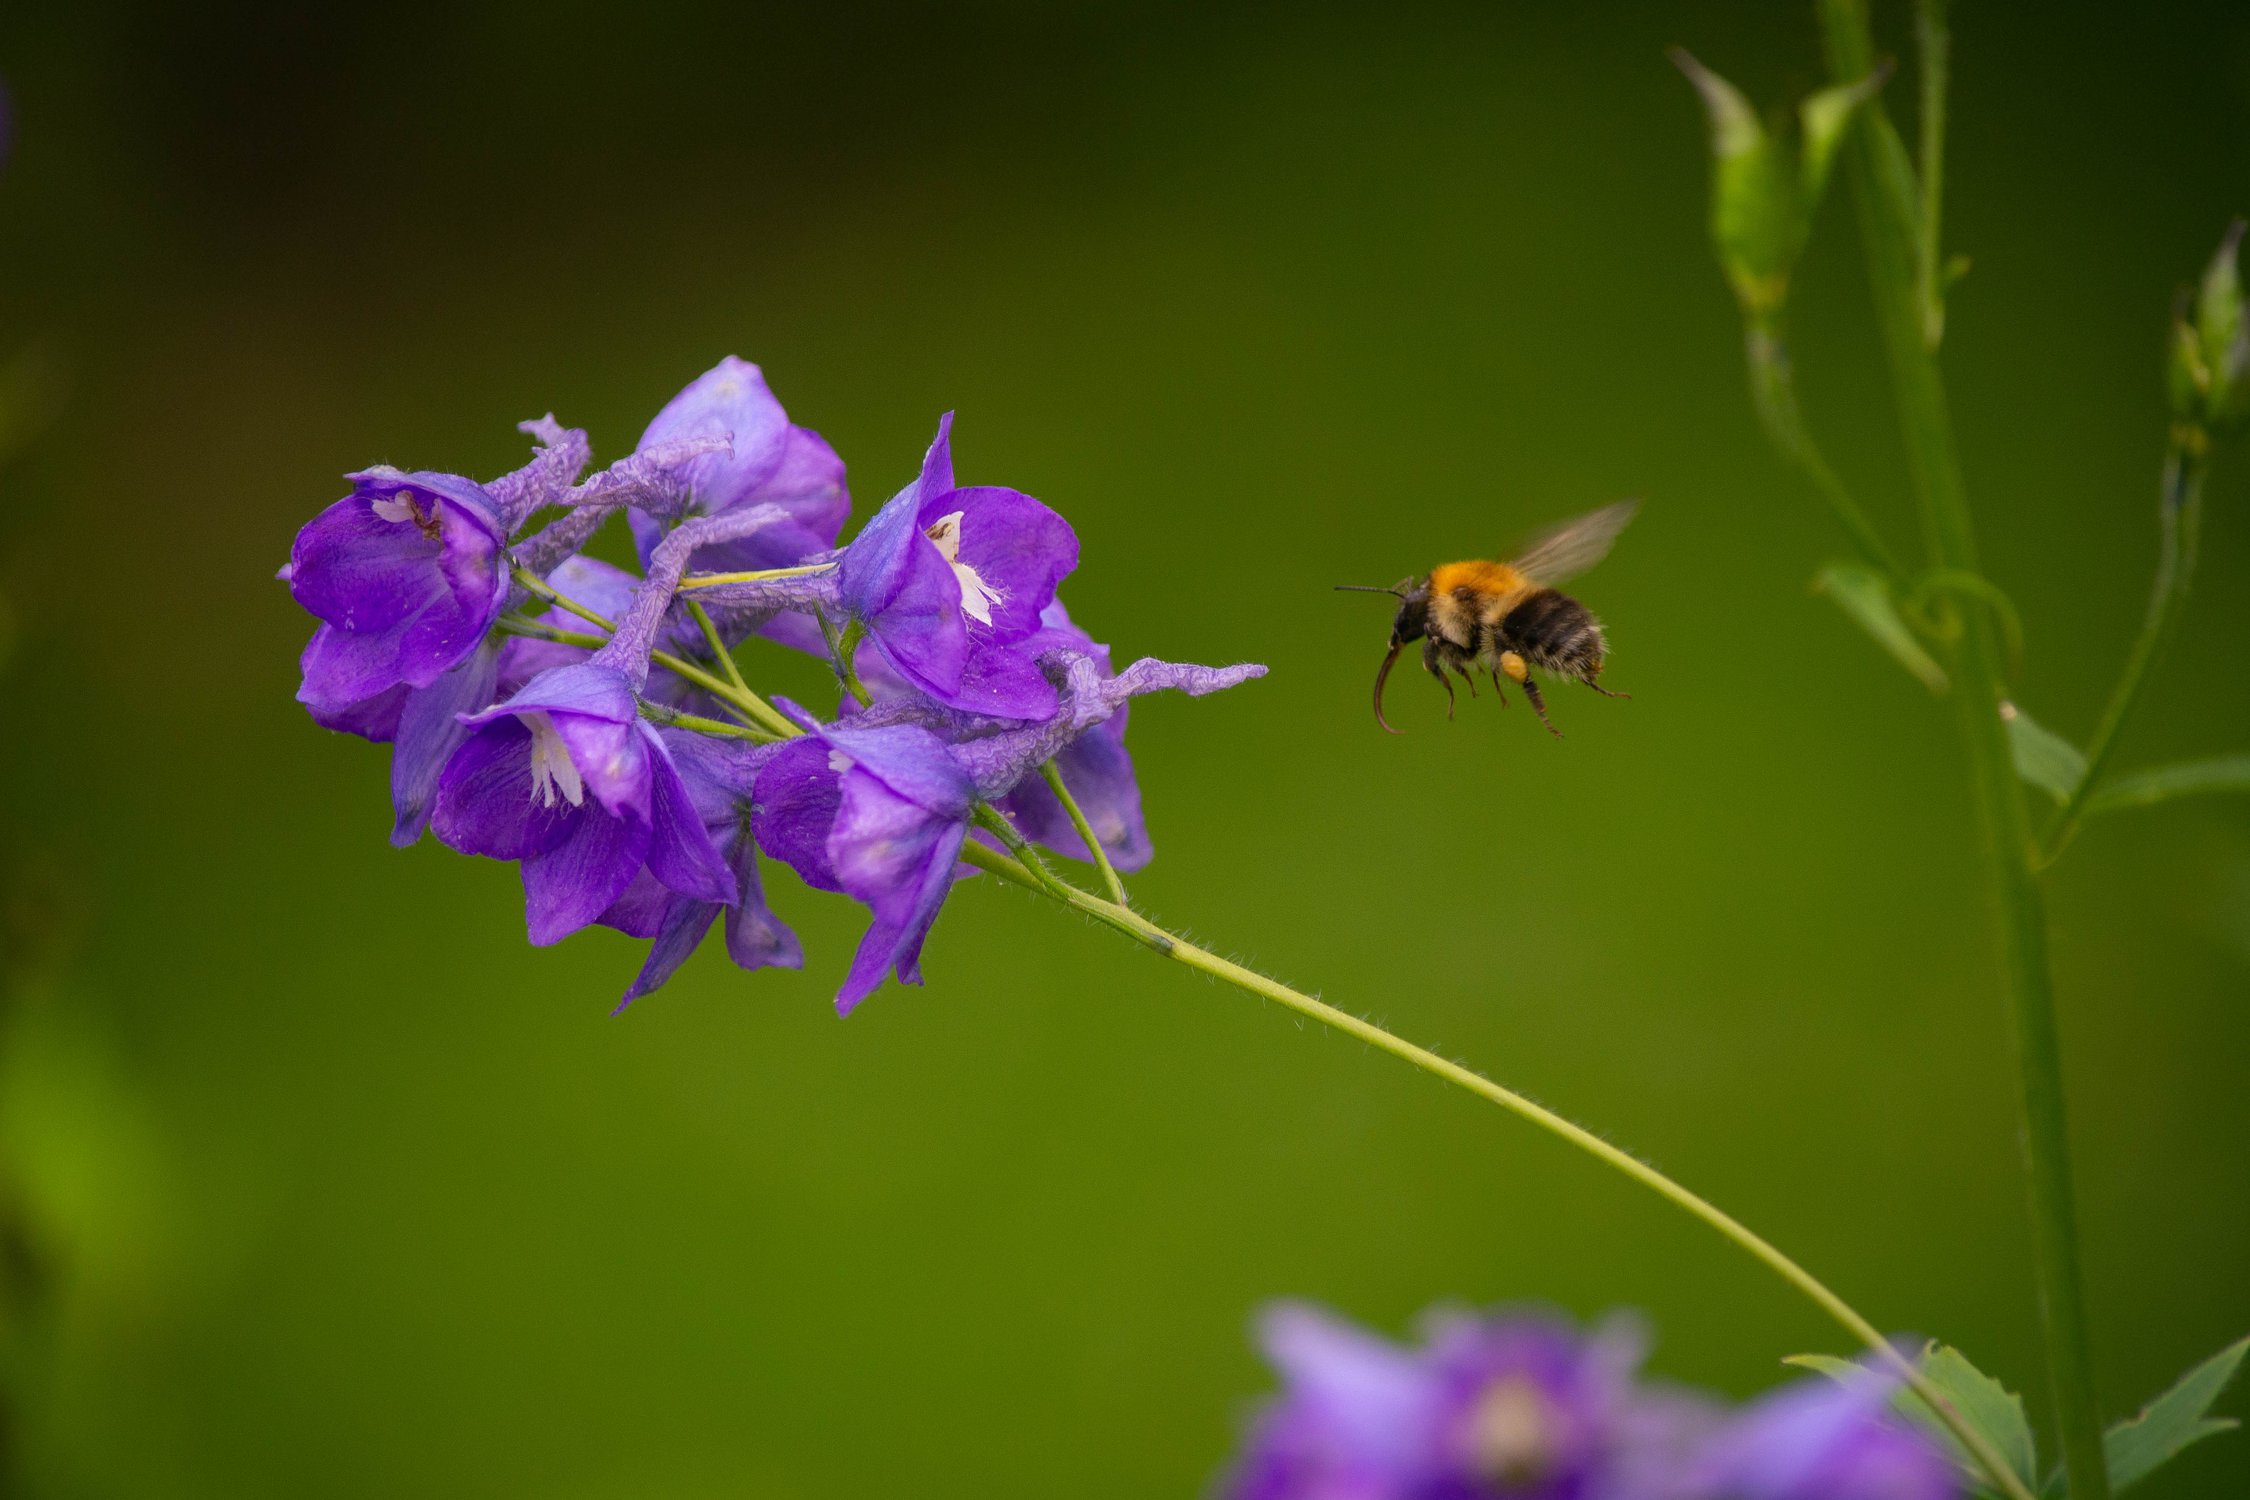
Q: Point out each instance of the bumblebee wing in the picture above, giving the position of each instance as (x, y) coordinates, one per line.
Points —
(1573, 547)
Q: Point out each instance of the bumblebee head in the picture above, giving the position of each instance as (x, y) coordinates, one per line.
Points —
(1411, 623)
(1413, 619)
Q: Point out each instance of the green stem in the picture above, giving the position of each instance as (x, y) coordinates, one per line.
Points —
(1110, 882)
(1773, 392)
(1934, 47)
(533, 630)
(658, 713)
(1890, 238)
(540, 588)
(764, 714)
(1178, 948)
(713, 580)
(2180, 524)
(843, 646)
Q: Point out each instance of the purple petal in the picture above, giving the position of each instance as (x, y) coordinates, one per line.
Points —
(902, 917)
(937, 463)
(414, 563)
(373, 718)
(430, 731)
(1099, 772)
(639, 912)
(680, 851)
(572, 884)
(910, 762)
(582, 690)
(797, 798)
(1017, 546)
(684, 922)
(485, 799)
(769, 461)
(756, 938)
(1817, 1439)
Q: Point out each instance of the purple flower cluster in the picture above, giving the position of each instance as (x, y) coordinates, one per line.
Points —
(1525, 1406)
(555, 711)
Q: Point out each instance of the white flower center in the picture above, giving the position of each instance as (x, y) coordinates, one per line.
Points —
(551, 765)
(839, 762)
(977, 596)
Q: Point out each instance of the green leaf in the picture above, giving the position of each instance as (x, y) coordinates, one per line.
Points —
(1758, 220)
(1865, 595)
(2222, 773)
(1824, 116)
(1993, 1411)
(2043, 757)
(2173, 1420)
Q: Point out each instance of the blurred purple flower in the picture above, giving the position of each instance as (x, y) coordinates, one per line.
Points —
(1820, 1439)
(406, 574)
(950, 580)
(879, 815)
(1508, 1406)
(769, 462)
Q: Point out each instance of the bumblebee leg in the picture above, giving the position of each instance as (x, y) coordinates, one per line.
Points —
(1503, 697)
(1588, 679)
(1465, 677)
(1539, 706)
(1435, 668)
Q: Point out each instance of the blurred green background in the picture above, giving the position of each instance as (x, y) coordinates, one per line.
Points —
(362, 1196)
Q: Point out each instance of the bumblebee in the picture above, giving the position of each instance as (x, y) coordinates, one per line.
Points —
(1507, 618)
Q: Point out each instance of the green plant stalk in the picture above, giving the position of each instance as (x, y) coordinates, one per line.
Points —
(1032, 873)
(1934, 47)
(1889, 234)
(2180, 526)
(1773, 393)
(1178, 948)
(1053, 775)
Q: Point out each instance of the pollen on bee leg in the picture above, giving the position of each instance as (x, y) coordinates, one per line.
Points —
(1514, 666)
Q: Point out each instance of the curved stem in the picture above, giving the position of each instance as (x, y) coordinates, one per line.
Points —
(2180, 524)
(1889, 234)
(1053, 775)
(1173, 946)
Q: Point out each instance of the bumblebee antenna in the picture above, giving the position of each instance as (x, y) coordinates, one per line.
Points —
(1382, 674)
(1366, 588)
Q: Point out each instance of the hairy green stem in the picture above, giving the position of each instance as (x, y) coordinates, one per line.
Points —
(1053, 775)
(1773, 393)
(1891, 236)
(2180, 524)
(1178, 948)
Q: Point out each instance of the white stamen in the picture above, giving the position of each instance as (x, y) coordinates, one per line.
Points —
(977, 596)
(839, 762)
(397, 507)
(551, 765)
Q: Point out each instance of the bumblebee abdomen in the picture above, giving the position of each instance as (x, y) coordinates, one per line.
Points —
(1550, 629)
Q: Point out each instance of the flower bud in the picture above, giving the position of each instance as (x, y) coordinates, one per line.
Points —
(2209, 369)
(1766, 185)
